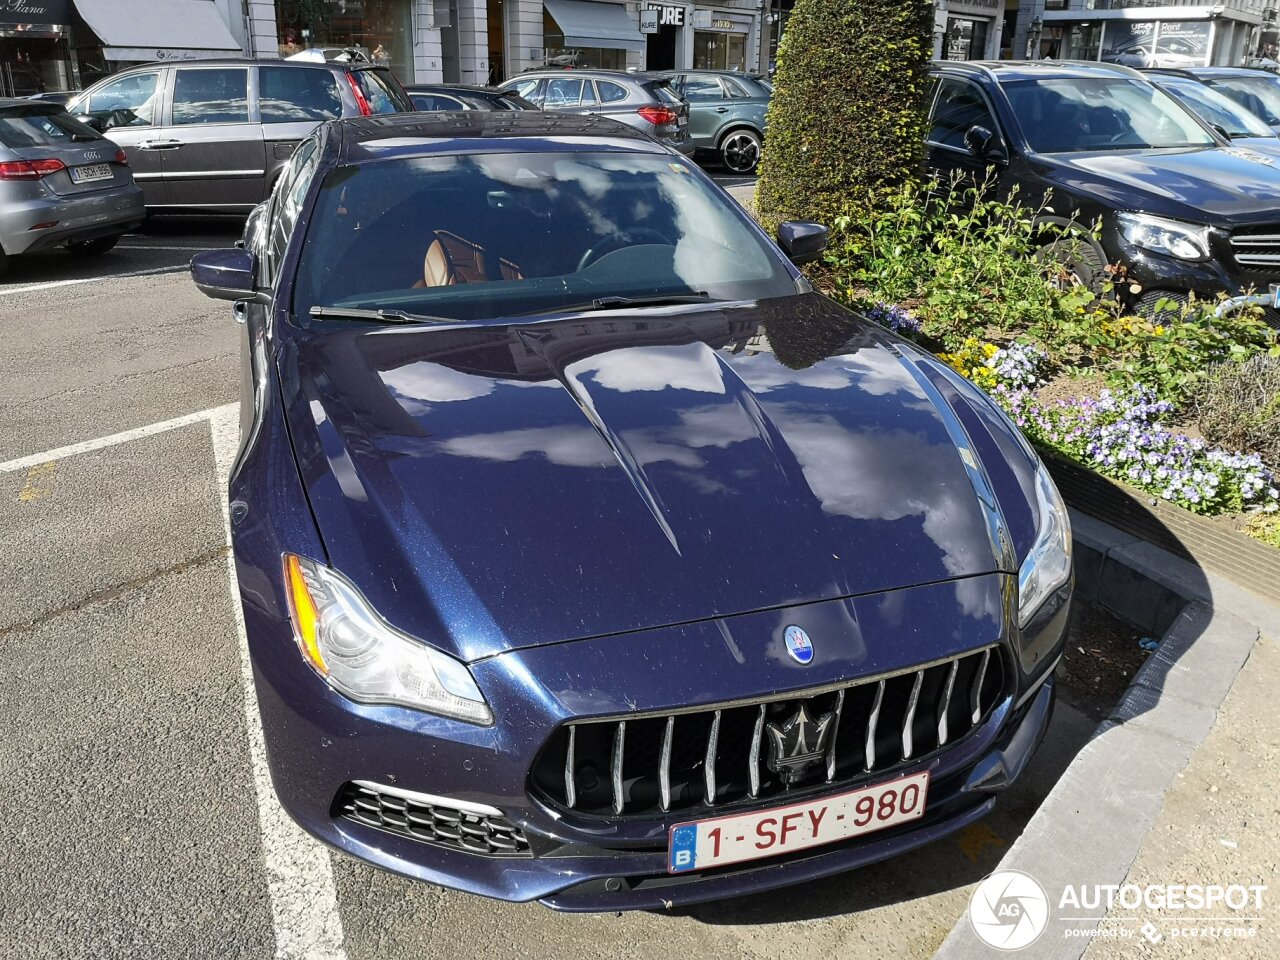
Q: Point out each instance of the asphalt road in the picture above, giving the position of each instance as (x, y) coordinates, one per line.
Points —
(135, 818)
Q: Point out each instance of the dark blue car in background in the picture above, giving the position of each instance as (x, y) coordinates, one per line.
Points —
(586, 554)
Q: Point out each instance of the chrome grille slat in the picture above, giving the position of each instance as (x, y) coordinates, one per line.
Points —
(664, 760)
(835, 732)
(676, 761)
(946, 702)
(753, 766)
(908, 721)
(975, 698)
(872, 722)
(709, 763)
(615, 767)
(428, 820)
(569, 789)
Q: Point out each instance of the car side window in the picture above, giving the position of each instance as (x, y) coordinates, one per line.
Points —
(211, 95)
(702, 89)
(294, 94)
(611, 92)
(125, 102)
(286, 202)
(529, 90)
(562, 93)
(958, 106)
(736, 90)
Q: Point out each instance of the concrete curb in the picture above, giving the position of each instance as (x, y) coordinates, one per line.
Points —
(1091, 827)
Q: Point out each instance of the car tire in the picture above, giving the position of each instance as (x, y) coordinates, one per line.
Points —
(1080, 259)
(740, 151)
(91, 248)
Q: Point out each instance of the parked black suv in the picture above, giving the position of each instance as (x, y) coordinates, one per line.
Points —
(1179, 208)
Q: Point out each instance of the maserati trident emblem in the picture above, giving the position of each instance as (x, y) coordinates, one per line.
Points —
(798, 644)
(798, 745)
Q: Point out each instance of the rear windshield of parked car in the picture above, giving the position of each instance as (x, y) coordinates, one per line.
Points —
(382, 92)
(498, 235)
(1075, 115)
(40, 127)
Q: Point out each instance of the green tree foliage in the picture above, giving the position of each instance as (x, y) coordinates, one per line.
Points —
(848, 117)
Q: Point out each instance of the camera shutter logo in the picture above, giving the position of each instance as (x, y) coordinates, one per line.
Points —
(1009, 910)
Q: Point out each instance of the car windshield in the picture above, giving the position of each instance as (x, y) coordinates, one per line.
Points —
(1111, 113)
(1259, 95)
(1212, 107)
(474, 237)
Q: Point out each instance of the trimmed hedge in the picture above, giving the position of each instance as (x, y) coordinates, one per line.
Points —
(847, 121)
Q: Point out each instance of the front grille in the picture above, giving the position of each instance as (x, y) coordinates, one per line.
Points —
(653, 765)
(1257, 249)
(430, 822)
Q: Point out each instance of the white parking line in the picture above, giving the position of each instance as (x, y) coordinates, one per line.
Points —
(159, 246)
(32, 287)
(88, 446)
(304, 898)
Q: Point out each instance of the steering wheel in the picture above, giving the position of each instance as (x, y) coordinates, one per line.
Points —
(623, 238)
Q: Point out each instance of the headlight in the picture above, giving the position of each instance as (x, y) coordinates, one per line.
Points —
(1186, 241)
(365, 658)
(1048, 565)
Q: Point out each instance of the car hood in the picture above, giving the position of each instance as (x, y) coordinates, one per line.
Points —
(492, 488)
(1220, 185)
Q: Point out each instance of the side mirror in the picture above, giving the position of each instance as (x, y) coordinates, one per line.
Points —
(225, 274)
(89, 120)
(801, 240)
(978, 140)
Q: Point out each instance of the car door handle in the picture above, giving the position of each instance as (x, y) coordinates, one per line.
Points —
(722, 109)
(159, 144)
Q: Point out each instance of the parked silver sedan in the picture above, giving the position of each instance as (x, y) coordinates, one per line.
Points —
(62, 184)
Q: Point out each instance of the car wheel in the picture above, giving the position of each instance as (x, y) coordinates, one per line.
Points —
(740, 151)
(91, 248)
(1076, 261)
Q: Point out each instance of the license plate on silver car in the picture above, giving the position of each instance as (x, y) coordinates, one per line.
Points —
(94, 171)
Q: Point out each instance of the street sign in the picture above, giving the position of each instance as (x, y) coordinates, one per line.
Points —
(649, 20)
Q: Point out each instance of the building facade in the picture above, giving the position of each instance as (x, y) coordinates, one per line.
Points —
(1173, 33)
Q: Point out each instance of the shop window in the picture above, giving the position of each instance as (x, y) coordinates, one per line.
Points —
(211, 96)
(719, 51)
(291, 94)
(126, 102)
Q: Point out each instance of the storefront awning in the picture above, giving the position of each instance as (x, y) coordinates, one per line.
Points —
(599, 25)
(158, 29)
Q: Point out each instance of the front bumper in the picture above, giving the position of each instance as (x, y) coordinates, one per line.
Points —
(317, 741)
(102, 213)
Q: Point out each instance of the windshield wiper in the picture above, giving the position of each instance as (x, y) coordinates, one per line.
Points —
(613, 303)
(378, 316)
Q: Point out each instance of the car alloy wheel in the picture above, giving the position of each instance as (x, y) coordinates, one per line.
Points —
(1073, 262)
(740, 151)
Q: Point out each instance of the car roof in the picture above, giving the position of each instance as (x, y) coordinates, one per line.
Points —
(454, 88)
(418, 134)
(1202, 72)
(1003, 71)
(247, 62)
(638, 76)
(7, 102)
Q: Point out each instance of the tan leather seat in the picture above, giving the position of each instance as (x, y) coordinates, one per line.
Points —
(450, 260)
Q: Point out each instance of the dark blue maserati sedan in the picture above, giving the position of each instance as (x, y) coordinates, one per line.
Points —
(587, 555)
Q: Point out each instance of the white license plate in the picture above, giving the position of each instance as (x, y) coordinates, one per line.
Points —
(768, 833)
(94, 171)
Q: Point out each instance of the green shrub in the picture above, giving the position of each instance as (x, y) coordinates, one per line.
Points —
(1238, 406)
(963, 258)
(847, 121)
